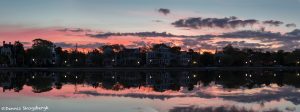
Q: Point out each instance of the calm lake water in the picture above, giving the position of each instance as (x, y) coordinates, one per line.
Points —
(151, 91)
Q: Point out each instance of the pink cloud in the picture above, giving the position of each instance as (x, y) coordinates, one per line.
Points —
(54, 34)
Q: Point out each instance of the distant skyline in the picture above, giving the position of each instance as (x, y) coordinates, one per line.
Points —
(266, 24)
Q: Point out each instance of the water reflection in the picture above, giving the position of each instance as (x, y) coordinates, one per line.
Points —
(245, 91)
(212, 109)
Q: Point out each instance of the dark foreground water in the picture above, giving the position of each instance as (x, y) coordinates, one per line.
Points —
(150, 91)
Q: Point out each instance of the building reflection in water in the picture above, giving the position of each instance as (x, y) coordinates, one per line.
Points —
(239, 86)
(158, 80)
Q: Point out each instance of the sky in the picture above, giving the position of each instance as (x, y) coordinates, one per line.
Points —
(196, 24)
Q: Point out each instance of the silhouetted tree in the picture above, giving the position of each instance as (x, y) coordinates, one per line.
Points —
(95, 58)
(62, 55)
(19, 53)
(156, 46)
(207, 59)
(41, 52)
(77, 58)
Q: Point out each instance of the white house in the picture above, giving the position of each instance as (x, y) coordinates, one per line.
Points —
(161, 57)
(8, 50)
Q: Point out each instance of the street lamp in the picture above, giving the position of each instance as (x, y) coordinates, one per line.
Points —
(34, 61)
(194, 62)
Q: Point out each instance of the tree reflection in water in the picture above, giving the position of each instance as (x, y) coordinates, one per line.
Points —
(159, 80)
(245, 87)
(217, 109)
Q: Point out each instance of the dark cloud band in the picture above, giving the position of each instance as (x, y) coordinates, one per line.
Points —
(291, 25)
(198, 23)
(273, 22)
(139, 34)
(226, 23)
(74, 30)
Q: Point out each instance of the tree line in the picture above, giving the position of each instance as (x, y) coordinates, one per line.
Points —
(44, 53)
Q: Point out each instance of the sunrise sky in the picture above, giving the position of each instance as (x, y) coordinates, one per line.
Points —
(197, 24)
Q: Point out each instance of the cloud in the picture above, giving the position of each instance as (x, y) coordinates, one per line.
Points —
(242, 44)
(92, 45)
(209, 45)
(288, 41)
(294, 33)
(251, 34)
(273, 22)
(64, 44)
(263, 40)
(291, 25)
(141, 44)
(164, 11)
(198, 43)
(74, 30)
(260, 39)
(227, 22)
(72, 45)
(157, 21)
(139, 34)
(26, 43)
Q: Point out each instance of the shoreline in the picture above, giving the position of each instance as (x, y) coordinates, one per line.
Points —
(147, 68)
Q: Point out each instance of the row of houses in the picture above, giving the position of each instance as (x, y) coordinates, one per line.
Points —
(162, 56)
(159, 57)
